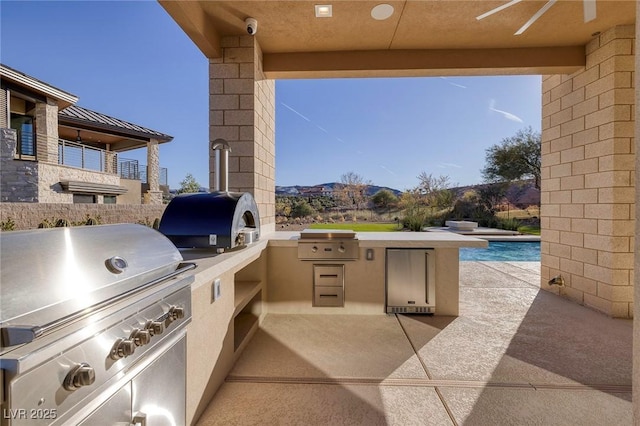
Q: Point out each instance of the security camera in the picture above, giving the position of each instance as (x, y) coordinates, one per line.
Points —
(252, 26)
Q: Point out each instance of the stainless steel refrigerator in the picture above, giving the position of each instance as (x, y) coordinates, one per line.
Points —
(410, 281)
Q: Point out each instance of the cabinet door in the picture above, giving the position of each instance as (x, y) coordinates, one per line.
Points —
(116, 411)
(159, 391)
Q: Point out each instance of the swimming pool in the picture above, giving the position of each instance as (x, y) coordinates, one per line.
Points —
(519, 251)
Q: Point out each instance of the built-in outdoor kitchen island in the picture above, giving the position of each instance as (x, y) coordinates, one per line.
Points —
(233, 291)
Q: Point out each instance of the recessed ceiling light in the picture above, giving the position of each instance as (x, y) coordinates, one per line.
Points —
(323, 11)
(382, 11)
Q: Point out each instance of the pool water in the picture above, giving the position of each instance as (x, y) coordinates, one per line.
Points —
(504, 251)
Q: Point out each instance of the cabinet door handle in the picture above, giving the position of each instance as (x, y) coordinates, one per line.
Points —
(328, 276)
(328, 295)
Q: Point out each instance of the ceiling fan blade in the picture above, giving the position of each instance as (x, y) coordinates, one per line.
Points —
(535, 17)
(589, 10)
(498, 9)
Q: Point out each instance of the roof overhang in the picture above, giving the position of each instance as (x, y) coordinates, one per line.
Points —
(420, 38)
(92, 188)
(32, 84)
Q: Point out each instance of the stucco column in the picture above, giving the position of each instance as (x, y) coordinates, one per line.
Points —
(153, 195)
(242, 111)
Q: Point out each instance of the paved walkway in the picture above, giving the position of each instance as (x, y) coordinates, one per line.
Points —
(515, 356)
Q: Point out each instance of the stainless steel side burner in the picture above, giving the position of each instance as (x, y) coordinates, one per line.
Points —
(328, 244)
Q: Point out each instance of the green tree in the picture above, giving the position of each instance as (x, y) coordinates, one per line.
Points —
(188, 185)
(516, 157)
(489, 196)
(384, 199)
(302, 209)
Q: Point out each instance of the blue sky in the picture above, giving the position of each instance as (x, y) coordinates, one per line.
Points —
(130, 60)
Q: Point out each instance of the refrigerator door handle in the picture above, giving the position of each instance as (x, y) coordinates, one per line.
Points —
(426, 277)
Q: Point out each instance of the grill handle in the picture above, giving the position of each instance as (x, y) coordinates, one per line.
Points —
(19, 334)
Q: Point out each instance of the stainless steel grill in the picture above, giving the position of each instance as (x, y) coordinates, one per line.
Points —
(93, 324)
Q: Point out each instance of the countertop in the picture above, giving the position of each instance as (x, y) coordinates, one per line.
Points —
(211, 264)
(391, 239)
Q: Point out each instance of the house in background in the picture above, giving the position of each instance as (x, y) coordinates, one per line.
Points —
(53, 151)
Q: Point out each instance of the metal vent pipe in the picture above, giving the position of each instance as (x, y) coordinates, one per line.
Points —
(222, 149)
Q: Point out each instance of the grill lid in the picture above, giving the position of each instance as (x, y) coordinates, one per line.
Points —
(48, 274)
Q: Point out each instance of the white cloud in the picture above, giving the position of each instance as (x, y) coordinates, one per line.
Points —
(388, 170)
(449, 165)
(294, 111)
(506, 114)
(454, 84)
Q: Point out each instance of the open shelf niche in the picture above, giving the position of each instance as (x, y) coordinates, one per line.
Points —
(248, 296)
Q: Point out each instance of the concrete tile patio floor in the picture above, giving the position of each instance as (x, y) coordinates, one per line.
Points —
(515, 356)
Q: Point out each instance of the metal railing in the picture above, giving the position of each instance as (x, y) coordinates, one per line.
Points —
(85, 157)
(128, 169)
(131, 169)
(25, 144)
(163, 177)
(81, 156)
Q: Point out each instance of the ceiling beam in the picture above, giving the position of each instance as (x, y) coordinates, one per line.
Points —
(193, 20)
(406, 63)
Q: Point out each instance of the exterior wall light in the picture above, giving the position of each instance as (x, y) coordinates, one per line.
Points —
(324, 11)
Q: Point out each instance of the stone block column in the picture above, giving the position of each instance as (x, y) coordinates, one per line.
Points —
(47, 132)
(153, 195)
(242, 111)
(588, 176)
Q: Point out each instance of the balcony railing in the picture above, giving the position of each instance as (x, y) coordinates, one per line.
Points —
(74, 154)
(85, 157)
(128, 169)
(131, 169)
(163, 177)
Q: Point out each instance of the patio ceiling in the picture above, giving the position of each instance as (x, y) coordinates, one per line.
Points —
(432, 37)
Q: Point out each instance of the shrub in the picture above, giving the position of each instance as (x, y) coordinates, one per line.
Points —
(302, 209)
(414, 222)
(46, 223)
(62, 223)
(7, 225)
(508, 224)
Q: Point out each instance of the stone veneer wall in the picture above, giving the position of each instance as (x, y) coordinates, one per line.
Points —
(242, 111)
(18, 178)
(3, 109)
(29, 215)
(47, 131)
(588, 179)
(50, 190)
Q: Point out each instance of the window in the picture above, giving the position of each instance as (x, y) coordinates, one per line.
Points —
(26, 141)
(84, 199)
(109, 199)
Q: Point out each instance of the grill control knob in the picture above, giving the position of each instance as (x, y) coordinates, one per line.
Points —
(140, 337)
(341, 249)
(122, 348)
(154, 327)
(176, 313)
(81, 375)
(314, 249)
